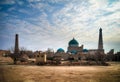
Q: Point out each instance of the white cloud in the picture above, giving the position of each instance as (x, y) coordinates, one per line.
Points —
(26, 12)
(114, 6)
(98, 4)
(34, 0)
(20, 2)
(7, 2)
(78, 18)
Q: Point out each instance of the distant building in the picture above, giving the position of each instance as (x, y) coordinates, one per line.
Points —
(73, 47)
(74, 51)
(78, 52)
(92, 51)
(117, 56)
(61, 55)
(40, 57)
(110, 55)
(4, 52)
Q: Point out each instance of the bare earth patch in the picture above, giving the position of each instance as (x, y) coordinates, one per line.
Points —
(22, 73)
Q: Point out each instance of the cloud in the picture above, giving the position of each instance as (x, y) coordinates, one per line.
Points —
(53, 23)
(94, 15)
(20, 2)
(98, 4)
(7, 1)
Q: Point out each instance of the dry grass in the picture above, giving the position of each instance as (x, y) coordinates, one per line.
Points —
(22, 73)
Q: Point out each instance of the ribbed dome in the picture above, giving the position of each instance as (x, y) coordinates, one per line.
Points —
(73, 42)
(85, 50)
(60, 50)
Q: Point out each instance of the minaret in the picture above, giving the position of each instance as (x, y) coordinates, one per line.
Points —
(100, 43)
(16, 49)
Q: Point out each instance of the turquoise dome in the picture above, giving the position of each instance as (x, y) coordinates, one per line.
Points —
(60, 50)
(73, 42)
(85, 50)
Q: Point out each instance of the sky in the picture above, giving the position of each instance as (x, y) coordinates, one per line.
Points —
(43, 24)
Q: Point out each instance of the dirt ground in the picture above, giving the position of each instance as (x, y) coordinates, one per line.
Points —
(26, 73)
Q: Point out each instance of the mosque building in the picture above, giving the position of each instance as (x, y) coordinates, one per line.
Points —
(78, 52)
(73, 51)
(74, 47)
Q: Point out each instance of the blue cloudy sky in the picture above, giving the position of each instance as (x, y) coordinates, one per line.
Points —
(43, 24)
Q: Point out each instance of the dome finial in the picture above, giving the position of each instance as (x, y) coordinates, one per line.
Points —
(73, 38)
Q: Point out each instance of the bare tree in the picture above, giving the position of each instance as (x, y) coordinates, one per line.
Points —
(11, 49)
(16, 56)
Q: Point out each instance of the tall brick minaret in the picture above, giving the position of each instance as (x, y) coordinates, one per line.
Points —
(16, 49)
(100, 42)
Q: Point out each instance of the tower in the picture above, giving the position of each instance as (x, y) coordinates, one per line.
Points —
(100, 42)
(16, 49)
